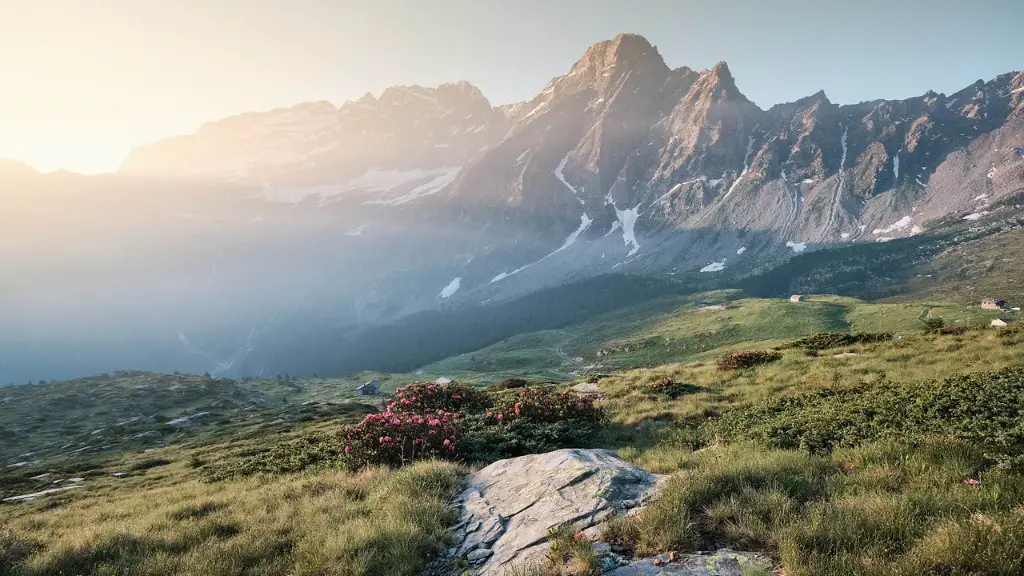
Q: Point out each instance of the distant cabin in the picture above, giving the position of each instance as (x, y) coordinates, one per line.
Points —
(371, 388)
(796, 298)
(993, 304)
(998, 323)
(442, 381)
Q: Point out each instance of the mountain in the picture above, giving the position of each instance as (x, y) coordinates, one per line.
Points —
(307, 228)
(410, 133)
(10, 169)
(681, 169)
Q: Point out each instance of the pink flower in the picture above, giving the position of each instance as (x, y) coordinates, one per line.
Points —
(348, 449)
(447, 442)
(972, 482)
(500, 417)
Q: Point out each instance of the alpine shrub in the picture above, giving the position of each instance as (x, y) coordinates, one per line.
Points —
(396, 438)
(826, 340)
(747, 359)
(420, 398)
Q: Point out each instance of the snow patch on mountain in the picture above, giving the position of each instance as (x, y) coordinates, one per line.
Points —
(451, 288)
(585, 222)
(445, 177)
(714, 267)
(627, 218)
(898, 225)
(741, 250)
(358, 230)
(373, 180)
(837, 201)
(746, 165)
(615, 226)
(976, 216)
(797, 247)
(561, 177)
(896, 165)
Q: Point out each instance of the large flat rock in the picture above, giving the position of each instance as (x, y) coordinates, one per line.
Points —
(508, 507)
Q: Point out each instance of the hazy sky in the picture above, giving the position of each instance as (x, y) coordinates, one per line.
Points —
(82, 81)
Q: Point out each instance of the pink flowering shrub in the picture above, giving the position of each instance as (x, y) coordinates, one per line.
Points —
(420, 398)
(455, 421)
(397, 438)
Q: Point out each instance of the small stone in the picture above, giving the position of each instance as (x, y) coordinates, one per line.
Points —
(601, 548)
(479, 555)
(449, 552)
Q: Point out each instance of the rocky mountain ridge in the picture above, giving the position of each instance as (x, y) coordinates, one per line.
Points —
(624, 146)
(352, 216)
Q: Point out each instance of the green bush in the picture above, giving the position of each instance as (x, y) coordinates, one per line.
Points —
(545, 405)
(826, 340)
(511, 384)
(670, 388)
(313, 451)
(534, 421)
(747, 359)
(984, 408)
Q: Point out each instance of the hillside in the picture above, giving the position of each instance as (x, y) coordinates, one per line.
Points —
(186, 502)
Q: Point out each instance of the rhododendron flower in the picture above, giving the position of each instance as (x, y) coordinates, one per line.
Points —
(348, 449)
(972, 482)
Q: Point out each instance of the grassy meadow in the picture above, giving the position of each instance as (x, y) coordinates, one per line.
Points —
(839, 460)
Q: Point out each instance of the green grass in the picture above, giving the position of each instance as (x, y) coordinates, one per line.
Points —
(882, 509)
(827, 496)
(882, 492)
(673, 329)
(376, 522)
(990, 267)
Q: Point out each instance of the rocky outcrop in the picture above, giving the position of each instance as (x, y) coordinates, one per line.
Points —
(508, 507)
(724, 562)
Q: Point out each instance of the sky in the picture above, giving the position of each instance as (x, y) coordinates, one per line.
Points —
(82, 82)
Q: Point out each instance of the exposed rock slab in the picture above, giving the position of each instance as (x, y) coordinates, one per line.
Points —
(508, 507)
(724, 562)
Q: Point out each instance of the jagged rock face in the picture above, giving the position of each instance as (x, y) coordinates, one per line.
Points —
(508, 507)
(623, 147)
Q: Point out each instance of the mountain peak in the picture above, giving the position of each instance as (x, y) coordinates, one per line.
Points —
(721, 68)
(624, 50)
